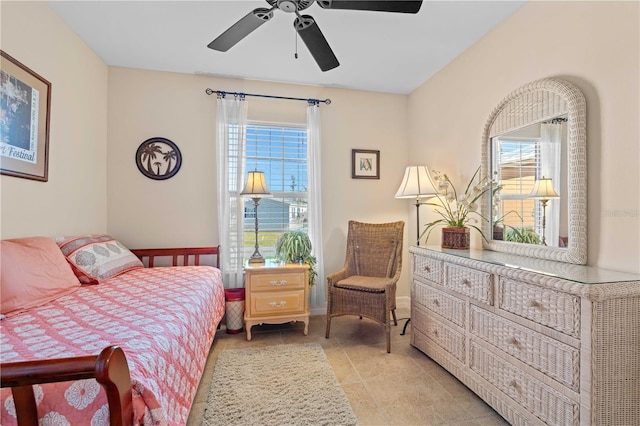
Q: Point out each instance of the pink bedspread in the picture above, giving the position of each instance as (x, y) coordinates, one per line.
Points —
(163, 318)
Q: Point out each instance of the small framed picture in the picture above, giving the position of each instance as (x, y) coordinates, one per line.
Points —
(365, 164)
(24, 118)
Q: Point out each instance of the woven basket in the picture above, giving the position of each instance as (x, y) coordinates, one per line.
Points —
(455, 238)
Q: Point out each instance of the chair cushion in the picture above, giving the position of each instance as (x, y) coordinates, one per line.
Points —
(363, 283)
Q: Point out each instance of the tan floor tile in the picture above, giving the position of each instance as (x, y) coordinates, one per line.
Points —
(363, 406)
(405, 387)
(342, 366)
(493, 420)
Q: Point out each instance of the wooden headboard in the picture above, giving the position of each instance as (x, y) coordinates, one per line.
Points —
(176, 253)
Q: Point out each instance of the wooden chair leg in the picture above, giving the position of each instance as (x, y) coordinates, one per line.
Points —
(388, 330)
(326, 335)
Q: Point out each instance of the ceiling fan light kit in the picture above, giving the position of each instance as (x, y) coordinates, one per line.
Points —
(305, 25)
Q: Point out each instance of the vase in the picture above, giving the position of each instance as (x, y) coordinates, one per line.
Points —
(455, 238)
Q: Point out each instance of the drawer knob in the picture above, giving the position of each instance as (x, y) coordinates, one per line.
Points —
(535, 304)
(279, 304)
(436, 302)
(514, 385)
(435, 333)
(427, 268)
(466, 282)
(515, 342)
(278, 283)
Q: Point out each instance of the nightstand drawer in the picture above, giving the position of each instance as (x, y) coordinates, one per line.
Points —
(282, 302)
(278, 282)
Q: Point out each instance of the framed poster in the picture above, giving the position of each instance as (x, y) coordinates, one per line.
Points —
(365, 164)
(25, 99)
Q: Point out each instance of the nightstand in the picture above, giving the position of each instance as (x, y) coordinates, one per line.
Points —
(276, 293)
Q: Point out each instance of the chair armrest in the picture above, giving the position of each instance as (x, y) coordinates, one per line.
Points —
(337, 276)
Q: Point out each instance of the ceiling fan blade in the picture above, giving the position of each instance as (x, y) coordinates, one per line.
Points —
(241, 29)
(399, 6)
(313, 38)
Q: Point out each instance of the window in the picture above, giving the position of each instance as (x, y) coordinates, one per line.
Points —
(517, 162)
(280, 151)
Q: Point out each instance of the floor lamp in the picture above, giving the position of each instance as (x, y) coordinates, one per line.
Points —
(256, 188)
(417, 184)
(543, 191)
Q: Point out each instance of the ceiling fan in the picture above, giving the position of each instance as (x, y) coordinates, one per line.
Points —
(305, 25)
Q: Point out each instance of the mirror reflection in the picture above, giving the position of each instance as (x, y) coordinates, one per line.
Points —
(530, 166)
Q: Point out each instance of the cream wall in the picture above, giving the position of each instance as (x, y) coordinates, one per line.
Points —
(181, 211)
(74, 200)
(594, 45)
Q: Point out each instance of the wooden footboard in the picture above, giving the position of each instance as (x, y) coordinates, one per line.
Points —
(176, 253)
(109, 369)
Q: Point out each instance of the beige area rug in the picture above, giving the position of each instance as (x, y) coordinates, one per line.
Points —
(276, 385)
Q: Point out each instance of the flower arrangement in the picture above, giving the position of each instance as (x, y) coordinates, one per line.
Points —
(458, 210)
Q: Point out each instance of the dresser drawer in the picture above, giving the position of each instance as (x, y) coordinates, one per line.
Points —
(430, 269)
(556, 310)
(439, 302)
(476, 284)
(428, 324)
(277, 303)
(547, 404)
(551, 357)
(277, 282)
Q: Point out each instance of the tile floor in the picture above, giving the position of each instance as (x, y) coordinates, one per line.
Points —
(404, 387)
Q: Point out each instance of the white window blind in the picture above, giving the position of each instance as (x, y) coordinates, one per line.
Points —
(517, 165)
(280, 151)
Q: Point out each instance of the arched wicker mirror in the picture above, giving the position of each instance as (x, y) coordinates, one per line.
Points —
(534, 145)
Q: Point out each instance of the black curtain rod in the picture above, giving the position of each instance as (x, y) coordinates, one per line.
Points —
(222, 94)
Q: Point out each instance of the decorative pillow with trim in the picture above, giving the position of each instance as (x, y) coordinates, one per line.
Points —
(95, 258)
(34, 272)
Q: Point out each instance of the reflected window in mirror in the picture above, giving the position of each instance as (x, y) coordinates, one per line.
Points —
(519, 158)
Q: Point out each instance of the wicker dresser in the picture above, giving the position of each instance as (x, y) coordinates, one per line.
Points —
(542, 342)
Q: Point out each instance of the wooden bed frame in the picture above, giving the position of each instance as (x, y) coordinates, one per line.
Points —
(109, 368)
(176, 253)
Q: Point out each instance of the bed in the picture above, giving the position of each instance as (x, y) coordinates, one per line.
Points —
(163, 318)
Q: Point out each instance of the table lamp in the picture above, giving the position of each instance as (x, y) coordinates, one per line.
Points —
(543, 191)
(256, 188)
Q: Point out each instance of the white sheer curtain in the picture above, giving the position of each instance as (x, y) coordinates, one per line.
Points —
(550, 167)
(317, 292)
(231, 125)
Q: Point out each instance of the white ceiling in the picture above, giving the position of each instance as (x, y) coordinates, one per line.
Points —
(378, 51)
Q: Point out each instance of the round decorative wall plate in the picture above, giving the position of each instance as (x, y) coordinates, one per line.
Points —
(158, 158)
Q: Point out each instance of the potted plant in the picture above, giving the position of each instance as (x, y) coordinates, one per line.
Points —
(457, 210)
(295, 247)
(522, 235)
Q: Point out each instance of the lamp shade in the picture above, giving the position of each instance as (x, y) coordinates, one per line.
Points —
(416, 183)
(543, 189)
(256, 186)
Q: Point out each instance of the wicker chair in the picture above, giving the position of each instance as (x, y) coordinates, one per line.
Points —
(366, 285)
